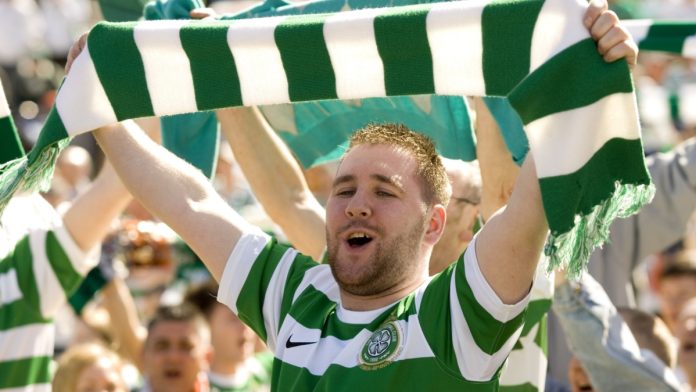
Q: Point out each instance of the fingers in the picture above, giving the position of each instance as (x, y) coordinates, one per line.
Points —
(613, 40)
(595, 9)
(626, 49)
(203, 13)
(75, 50)
(603, 24)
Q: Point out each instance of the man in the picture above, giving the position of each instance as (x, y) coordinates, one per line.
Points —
(43, 259)
(371, 317)
(280, 187)
(177, 351)
(614, 349)
(234, 367)
(676, 286)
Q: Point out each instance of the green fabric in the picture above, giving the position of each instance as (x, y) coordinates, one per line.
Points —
(22, 372)
(10, 145)
(129, 100)
(414, 65)
(121, 10)
(297, 40)
(193, 137)
(92, 284)
(506, 56)
(668, 36)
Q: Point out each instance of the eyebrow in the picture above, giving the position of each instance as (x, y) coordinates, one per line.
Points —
(378, 177)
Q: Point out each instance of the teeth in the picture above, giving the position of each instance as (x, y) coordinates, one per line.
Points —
(358, 235)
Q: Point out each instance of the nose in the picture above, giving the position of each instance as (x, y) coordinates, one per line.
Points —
(358, 207)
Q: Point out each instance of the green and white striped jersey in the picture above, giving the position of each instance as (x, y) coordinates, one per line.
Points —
(40, 265)
(451, 333)
(253, 376)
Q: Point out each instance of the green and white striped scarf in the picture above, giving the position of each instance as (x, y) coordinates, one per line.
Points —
(579, 112)
(10, 146)
(678, 37)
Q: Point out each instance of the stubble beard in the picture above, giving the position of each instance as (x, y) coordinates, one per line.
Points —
(389, 264)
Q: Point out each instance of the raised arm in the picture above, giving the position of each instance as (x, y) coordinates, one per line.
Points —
(176, 193)
(275, 178)
(89, 218)
(510, 244)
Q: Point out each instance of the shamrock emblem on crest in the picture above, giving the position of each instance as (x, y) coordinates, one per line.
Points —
(379, 343)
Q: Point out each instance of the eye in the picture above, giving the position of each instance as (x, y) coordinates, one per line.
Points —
(383, 193)
(345, 192)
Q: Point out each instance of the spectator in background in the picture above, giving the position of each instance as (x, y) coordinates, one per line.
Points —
(613, 350)
(685, 331)
(177, 351)
(676, 286)
(234, 366)
(88, 368)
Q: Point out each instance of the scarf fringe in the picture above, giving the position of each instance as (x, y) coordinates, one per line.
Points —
(571, 250)
(11, 177)
(22, 175)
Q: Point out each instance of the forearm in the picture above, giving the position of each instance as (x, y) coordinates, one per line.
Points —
(597, 336)
(498, 170)
(275, 178)
(126, 327)
(509, 245)
(89, 218)
(175, 192)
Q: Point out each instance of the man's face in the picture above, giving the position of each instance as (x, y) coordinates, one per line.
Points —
(675, 291)
(232, 339)
(173, 356)
(685, 333)
(376, 220)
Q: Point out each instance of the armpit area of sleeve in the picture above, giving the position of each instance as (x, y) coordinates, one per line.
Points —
(238, 266)
(484, 293)
(82, 261)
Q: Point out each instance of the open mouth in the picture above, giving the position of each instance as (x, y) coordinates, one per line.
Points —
(688, 347)
(358, 239)
(172, 374)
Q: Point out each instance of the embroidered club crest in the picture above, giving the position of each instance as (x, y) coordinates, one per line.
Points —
(382, 347)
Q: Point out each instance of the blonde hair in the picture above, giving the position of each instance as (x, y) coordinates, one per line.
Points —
(74, 361)
(436, 187)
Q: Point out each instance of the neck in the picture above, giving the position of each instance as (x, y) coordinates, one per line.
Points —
(389, 296)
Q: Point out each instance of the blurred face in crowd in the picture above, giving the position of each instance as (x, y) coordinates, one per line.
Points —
(175, 353)
(674, 292)
(577, 378)
(232, 340)
(685, 332)
(102, 376)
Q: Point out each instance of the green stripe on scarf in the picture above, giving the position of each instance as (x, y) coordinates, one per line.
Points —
(506, 46)
(129, 100)
(668, 37)
(550, 88)
(10, 145)
(297, 40)
(212, 65)
(413, 65)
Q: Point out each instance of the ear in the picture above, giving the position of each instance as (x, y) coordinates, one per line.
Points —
(436, 224)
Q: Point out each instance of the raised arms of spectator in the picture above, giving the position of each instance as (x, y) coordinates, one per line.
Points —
(176, 193)
(127, 330)
(275, 178)
(89, 218)
(602, 342)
